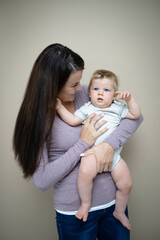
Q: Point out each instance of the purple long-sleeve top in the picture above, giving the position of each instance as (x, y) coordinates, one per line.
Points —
(60, 160)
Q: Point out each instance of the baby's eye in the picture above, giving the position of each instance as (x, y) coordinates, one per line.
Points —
(106, 90)
(96, 89)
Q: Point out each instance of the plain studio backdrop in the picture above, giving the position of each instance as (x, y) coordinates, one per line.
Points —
(119, 35)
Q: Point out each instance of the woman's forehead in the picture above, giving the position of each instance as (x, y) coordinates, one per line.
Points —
(75, 77)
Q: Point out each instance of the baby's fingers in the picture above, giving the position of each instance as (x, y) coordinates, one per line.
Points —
(126, 96)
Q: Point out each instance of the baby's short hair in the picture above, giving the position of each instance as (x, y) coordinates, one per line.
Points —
(100, 74)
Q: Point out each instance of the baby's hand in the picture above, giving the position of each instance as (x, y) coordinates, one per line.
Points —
(58, 104)
(126, 96)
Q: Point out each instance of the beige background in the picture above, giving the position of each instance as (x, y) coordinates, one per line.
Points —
(122, 36)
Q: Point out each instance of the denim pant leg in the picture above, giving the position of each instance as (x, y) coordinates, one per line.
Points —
(99, 224)
(69, 227)
(110, 228)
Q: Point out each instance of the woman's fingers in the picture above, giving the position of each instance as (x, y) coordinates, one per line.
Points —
(100, 124)
(95, 120)
(89, 131)
(104, 156)
(100, 132)
(89, 118)
(86, 153)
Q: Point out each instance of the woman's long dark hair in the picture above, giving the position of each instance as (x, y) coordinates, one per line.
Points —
(50, 72)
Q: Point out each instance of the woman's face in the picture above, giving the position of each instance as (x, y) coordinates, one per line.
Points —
(72, 85)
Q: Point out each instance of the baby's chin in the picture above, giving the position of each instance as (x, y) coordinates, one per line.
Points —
(101, 105)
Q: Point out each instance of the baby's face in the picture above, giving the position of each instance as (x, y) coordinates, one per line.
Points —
(102, 92)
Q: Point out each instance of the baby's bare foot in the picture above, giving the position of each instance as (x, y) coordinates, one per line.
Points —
(80, 216)
(83, 212)
(123, 219)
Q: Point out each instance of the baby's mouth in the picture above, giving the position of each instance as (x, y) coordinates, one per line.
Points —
(100, 99)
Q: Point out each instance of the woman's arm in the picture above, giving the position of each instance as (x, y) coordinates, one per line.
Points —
(49, 173)
(123, 132)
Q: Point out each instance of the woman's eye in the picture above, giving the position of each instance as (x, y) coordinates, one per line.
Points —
(96, 89)
(106, 90)
(75, 85)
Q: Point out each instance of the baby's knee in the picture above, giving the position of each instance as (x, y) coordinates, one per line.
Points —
(85, 173)
(128, 184)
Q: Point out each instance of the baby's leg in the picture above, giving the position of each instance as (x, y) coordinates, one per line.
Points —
(123, 181)
(87, 173)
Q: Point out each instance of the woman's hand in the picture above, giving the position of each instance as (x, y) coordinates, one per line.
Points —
(104, 156)
(89, 131)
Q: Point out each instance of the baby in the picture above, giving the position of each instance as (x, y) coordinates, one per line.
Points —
(103, 91)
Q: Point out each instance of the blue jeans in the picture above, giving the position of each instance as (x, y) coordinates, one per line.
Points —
(100, 224)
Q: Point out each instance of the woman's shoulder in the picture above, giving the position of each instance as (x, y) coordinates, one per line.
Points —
(84, 90)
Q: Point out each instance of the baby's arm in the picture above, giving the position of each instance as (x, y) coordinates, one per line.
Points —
(67, 116)
(134, 109)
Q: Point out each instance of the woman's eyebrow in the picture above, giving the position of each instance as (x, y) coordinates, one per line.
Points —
(74, 84)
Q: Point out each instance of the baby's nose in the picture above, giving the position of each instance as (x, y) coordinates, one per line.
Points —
(100, 92)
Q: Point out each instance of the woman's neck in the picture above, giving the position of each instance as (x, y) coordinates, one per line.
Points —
(69, 106)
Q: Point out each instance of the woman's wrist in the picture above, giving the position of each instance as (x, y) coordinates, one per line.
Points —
(112, 142)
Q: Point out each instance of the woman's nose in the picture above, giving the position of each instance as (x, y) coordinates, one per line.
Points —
(79, 87)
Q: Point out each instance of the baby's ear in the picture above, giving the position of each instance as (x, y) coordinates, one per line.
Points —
(116, 93)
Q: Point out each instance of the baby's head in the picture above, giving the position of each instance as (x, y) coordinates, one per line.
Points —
(102, 88)
(100, 74)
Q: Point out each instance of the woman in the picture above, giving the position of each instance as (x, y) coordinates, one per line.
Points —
(49, 150)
